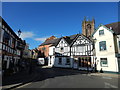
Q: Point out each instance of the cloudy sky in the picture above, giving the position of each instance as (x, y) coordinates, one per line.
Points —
(40, 20)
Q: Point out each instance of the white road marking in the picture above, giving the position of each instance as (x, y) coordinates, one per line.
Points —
(9, 86)
(108, 85)
(23, 85)
(106, 77)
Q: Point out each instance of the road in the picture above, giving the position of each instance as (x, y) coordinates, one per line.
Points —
(68, 78)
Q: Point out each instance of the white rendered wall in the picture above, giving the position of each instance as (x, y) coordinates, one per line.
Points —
(51, 50)
(63, 64)
(109, 53)
(118, 43)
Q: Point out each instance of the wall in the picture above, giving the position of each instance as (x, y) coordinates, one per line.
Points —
(63, 64)
(118, 43)
(65, 46)
(45, 51)
(51, 50)
(109, 53)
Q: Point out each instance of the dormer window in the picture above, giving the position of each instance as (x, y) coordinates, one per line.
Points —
(101, 32)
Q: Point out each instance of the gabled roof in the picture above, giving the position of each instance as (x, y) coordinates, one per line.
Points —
(53, 42)
(68, 39)
(82, 36)
(113, 27)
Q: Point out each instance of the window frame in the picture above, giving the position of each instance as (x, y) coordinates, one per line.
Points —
(60, 60)
(101, 33)
(101, 45)
(67, 63)
(61, 49)
(102, 62)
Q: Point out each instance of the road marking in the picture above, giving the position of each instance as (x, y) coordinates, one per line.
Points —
(106, 77)
(108, 85)
(9, 86)
(23, 85)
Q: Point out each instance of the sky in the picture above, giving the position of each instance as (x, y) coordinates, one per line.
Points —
(40, 20)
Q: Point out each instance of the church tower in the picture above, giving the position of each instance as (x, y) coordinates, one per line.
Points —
(88, 27)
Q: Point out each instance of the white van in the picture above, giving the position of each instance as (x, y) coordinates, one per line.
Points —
(41, 61)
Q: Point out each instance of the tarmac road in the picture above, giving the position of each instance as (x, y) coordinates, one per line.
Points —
(68, 78)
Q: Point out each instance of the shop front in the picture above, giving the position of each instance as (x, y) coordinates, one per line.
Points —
(83, 62)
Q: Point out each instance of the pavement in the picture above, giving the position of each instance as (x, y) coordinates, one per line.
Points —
(106, 75)
(25, 77)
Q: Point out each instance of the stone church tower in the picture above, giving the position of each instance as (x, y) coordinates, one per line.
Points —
(88, 27)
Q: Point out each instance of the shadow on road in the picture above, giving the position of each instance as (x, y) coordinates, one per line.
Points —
(46, 73)
(39, 74)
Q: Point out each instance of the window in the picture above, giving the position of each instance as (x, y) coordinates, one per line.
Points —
(68, 61)
(3, 26)
(60, 61)
(6, 38)
(88, 26)
(103, 62)
(61, 41)
(13, 43)
(101, 32)
(61, 49)
(43, 48)
(102, 45)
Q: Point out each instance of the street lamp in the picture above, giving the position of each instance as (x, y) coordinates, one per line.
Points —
(19, 32)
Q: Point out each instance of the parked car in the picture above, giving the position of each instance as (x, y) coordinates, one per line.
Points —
(41, 61)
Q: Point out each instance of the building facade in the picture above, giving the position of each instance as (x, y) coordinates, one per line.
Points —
(45, 46)
(11, 48)
(27, 54)
(75, 51)
(62, 53)
(107, 47)
(82, 52)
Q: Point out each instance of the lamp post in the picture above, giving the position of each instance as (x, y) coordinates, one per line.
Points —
(19, 33)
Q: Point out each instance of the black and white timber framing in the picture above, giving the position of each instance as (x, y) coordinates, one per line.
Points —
(74, 51)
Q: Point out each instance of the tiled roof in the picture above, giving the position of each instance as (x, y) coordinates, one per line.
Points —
(53, 41)
(115, 27)
(68, 39)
